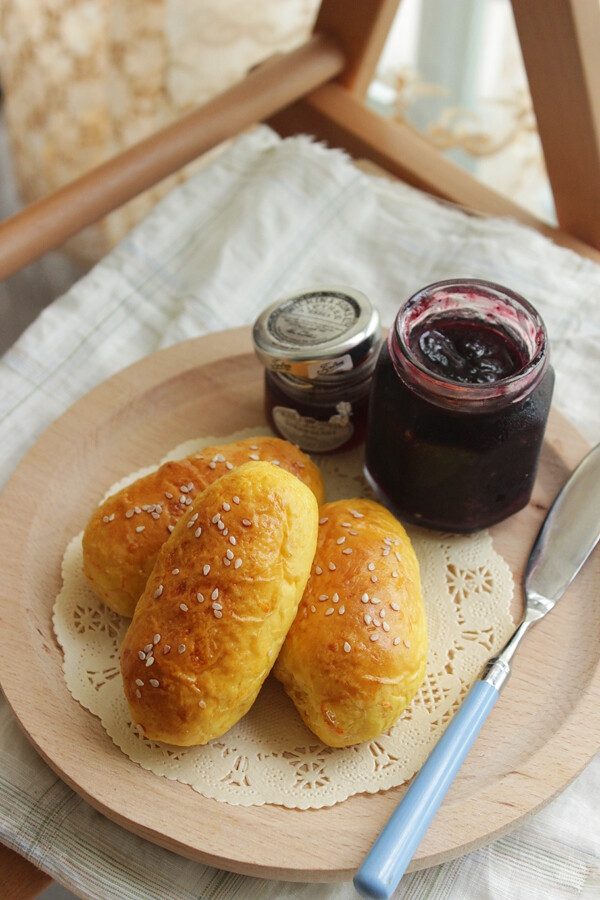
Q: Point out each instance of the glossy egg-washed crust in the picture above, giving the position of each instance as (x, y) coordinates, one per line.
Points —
(356, 653)
(218, 604)
(125, 533)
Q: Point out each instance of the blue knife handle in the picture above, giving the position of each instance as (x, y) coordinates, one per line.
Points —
(387, 860)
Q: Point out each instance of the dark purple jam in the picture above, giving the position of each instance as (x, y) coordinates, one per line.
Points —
(458, 408)
(466, 351)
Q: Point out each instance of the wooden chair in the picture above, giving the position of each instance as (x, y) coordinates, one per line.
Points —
(320, 89)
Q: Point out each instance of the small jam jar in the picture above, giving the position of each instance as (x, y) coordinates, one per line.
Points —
(319, 347)
(460, 399)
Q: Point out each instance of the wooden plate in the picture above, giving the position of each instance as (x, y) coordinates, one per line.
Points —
(541, 734)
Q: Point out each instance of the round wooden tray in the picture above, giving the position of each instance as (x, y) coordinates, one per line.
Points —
(543, 731)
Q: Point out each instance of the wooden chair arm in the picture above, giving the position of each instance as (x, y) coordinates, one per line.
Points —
(20, 879)
(49, 222)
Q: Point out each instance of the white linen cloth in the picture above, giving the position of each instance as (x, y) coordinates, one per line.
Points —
(267, 217)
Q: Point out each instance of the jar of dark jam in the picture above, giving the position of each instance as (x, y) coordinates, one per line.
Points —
(459, 403)
(319, 347)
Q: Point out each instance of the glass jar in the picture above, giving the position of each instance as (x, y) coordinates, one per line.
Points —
(319, 348)
(458, 409)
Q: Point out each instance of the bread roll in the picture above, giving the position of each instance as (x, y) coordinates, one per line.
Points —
(217, 606)
(125, 533)
(356, 653)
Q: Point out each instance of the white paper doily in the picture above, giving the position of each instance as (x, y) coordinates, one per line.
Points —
(270, 756)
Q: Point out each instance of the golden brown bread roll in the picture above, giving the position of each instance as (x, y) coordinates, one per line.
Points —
(217, 606)
(356, 653)
(125, 533)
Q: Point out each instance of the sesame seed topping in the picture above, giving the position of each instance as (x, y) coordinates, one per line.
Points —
(175, 572)
(365, 598)
(394, 574)
(183, 607)
(341, 540)
(218, 614)
(371, 566)
(226, 562)
(226, 506)
(346, 524)
(229, 465)
(217, 605)
(342, 610)
(156, 639)
(154, 682)
(246, 522)
(220, 525)
(205, 569)
(367, 619)
(232, 540)
(323, 520)
(347, 647)
(216, 518)
(356, 514)
(158, 591)
(385, 626)
(374, 636)
(330, 611)
(236, 499)
(202, 704)
(166, 649)
(335, 597)
(323, 597)
(375, 600)
(406, 643)
(313, 608)
(212, 465)
(168, 495)
(129, 513)
(140, 528)
(156, 515)
(353, 532)
(318, 570)
(181, 648)
(214, 594)
(138, 693)
(374, 579)
(148, 648)
(139, 682)
(396, 641)
(137, 510)
(332, 567)
(200, 597)
(171, 528)
(141, 654)
(229, 553)
(347, 550)
(182, 498)
(395, 606)
(254, 456)
(198, 532)
(237, 563)
(149, 660)
(184, 489)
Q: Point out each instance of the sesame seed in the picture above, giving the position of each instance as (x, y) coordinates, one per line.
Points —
(318, 570)
(212, 465)
(388, 541)
(184, 489)
(138, 693)
(140, 528)
(182, 498)
(139, 682)
(365, 598)
(181, 648)
(332, 567)
(216, 518)
(166, 649)
(406, 643)
(371, 566)
(156, 639)
(341, 540)
(149, 660)
(367, 619)
(198, 532)
(200, 597)
(148, 648)
(218, 457)
(254, 446)
(356, 514)
(347, 550)
(385, 626)
(158, 591)
(330, 611)
(129, 514)
(346, 524)
(137, 510)
(183, 607)
(394, 574)
(225, 532)
(226, 562)
(323, 520)
(220, 525)
(229, 553)
(226, 506)
(141, 654)
(254, 456)
(154, 682)
(375, 600)
(323, 597)
(190, 485)
(313, 608)
(156, 515)
(374, 636)
(202, 704)
(347, 647)
(218, 614)
(342, 610)
(382, 613)
(374, 579)
(237, 563)
(335, 598)
(396, 641)
(229, 465)
(214, 594)
(217, 606)
(353, 532)
(205, 569)
(385, 552)
(395, 606)
(246, 522)
(168, 495)
(232, 540)
(236, 499)
(171, 528)
(175, 572)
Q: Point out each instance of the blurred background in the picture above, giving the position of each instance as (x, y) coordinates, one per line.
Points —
(83, 79)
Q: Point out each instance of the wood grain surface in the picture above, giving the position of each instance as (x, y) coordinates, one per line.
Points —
(543, 731)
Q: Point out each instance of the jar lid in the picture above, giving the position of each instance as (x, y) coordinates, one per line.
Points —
(318, 332)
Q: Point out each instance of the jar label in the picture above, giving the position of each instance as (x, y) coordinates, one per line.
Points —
(310, 434)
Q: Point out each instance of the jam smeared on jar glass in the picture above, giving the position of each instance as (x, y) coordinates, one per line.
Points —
(458, 408)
